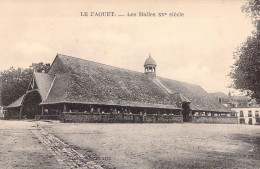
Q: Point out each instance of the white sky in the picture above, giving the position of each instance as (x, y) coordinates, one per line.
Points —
(196, 48)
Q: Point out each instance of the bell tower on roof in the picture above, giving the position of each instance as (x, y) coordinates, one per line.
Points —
(150, 66)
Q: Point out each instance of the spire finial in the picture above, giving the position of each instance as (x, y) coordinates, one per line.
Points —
(149, 54)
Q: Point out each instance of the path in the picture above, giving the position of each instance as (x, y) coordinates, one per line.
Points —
(25, 144)
(64, 153)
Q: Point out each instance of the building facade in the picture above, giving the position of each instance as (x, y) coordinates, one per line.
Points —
(77, 85)
(247, 115)
(246, 108)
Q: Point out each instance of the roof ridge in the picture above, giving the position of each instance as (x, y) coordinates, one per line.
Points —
(102, 64)
(37, 74)
(36, 81)
(68, 72)
(67, 88)
(50, 88)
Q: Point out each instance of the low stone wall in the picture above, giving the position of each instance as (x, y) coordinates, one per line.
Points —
(214, 119)
(163, 119)
(11, 117)
(47, 117)
(119, 118)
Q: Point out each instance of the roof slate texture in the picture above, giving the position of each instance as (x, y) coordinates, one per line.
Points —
(17, 103)
(81, 81)
(43, 81)
(199, 98)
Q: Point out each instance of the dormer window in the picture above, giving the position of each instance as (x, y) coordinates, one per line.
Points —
(220, 100)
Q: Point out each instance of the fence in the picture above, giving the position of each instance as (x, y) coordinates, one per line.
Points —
(119, 118)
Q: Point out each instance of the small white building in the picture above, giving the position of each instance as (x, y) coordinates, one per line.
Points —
(247, 115)
(247, 110)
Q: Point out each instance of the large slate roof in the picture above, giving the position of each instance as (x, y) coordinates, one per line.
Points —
(75, 80)
(82, 81)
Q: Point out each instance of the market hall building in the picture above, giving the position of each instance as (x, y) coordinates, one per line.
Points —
(77, 86)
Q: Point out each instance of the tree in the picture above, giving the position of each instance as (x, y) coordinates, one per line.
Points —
(15, 81)
(245, 72)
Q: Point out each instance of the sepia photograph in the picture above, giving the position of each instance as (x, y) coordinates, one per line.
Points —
(150, 84)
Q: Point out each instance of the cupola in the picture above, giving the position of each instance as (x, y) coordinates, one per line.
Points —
(150, 66)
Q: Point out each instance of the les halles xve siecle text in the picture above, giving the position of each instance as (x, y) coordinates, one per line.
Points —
(133, 14)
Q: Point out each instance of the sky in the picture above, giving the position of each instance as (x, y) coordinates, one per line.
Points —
(196, 48)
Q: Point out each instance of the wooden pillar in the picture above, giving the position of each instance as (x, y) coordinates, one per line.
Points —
(20, 112)
(64, 108)
(59, 109)
(42, 110)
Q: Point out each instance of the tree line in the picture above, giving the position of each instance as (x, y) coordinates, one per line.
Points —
(246, 69)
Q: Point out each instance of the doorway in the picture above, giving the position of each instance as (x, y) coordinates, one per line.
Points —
(242, 121)
(250, 122)
(186, 112)
(31, 105)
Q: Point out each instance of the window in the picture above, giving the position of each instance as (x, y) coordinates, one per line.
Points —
(249, 113)
(250, 121)
(241, 113)
(256, 113)
(257, 120)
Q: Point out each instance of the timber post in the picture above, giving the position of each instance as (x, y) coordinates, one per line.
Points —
(20, 112)
(64, 108)
(42, 110)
